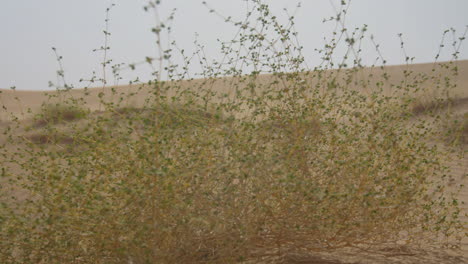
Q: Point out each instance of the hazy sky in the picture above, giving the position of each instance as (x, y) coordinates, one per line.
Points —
(29, 28)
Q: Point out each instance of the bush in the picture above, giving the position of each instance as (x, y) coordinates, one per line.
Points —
(59, 113)
(278, 164)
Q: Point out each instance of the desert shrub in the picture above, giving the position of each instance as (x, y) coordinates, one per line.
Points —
(435, 105)
(280, 163)
(47, 139)
(59, 112)
(422, 107)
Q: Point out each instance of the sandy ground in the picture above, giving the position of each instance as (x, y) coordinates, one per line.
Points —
(24, 103)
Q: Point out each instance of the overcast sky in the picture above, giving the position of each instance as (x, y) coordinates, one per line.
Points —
(30, 28)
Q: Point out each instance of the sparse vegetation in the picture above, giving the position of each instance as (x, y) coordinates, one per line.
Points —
(58, 113)
(276, 163)
(433, 106)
